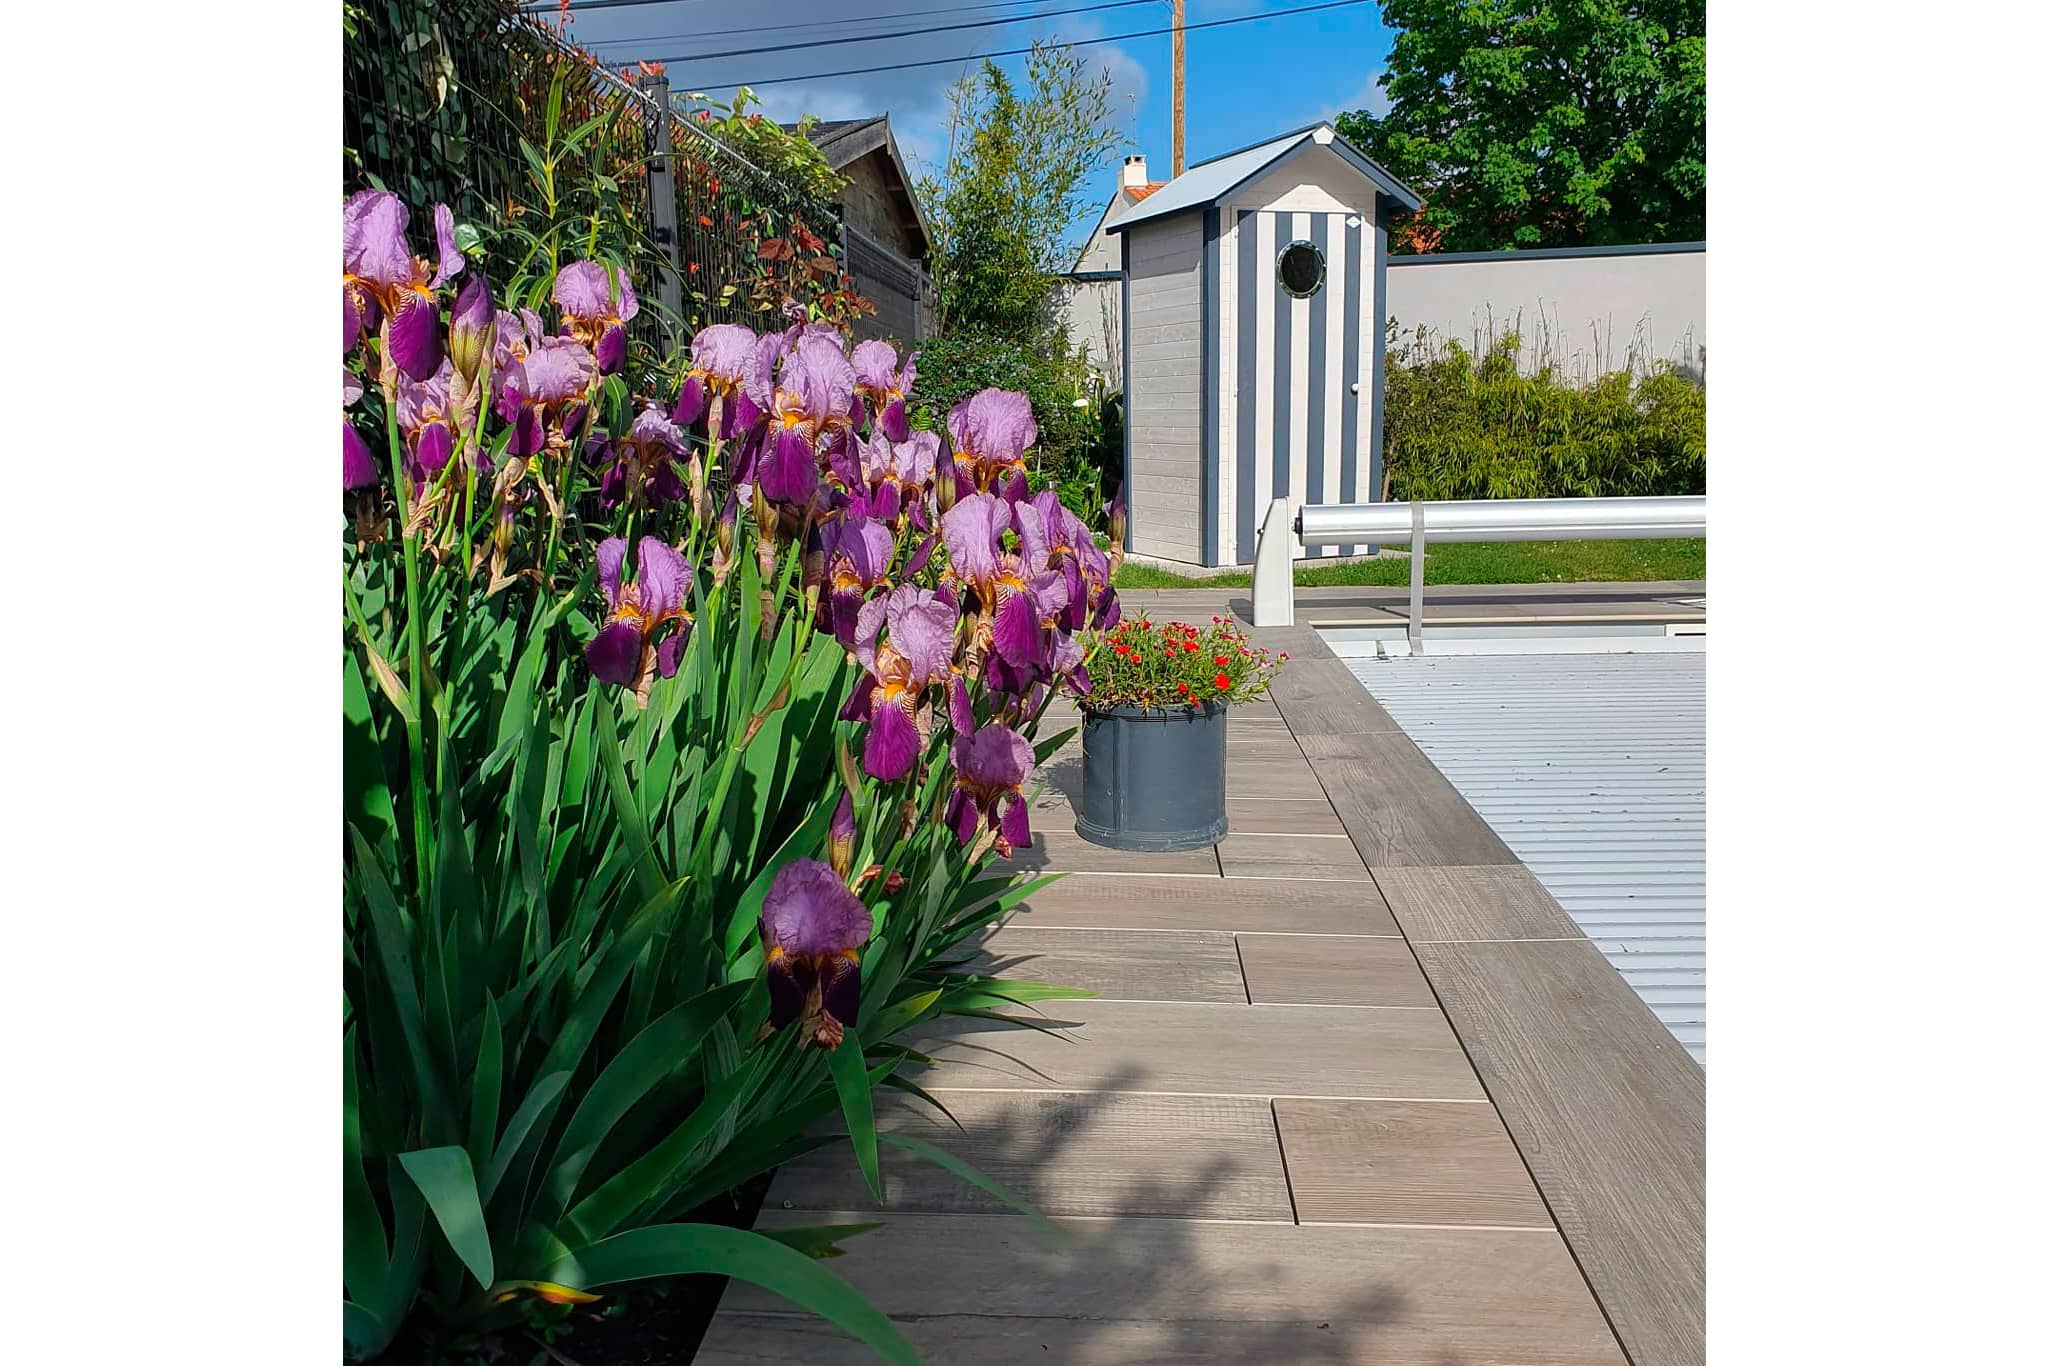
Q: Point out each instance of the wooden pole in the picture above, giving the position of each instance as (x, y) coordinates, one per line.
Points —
(1180, 87)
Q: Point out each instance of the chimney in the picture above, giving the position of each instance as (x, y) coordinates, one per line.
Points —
(1134, 174)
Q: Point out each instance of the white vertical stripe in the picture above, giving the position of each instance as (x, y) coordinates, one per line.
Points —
(1368, 492)
(1262, 426)
(1335, 381)
(1225, 359)
(1332, 377)
(1297, 398)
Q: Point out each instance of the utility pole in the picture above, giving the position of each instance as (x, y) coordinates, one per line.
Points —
(1180, 86)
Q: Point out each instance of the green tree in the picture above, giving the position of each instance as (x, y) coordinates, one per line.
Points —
(1005, 204)
(1544, 123)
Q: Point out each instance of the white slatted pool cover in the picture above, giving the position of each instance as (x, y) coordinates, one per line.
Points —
(1592, 768)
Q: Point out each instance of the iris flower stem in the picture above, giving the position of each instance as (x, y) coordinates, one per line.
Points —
(416, 652)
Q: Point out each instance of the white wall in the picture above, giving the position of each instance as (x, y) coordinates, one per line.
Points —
(1585, 314)
(1164, 405)
(1091, 313)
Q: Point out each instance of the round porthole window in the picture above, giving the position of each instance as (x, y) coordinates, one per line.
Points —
(1301, 269)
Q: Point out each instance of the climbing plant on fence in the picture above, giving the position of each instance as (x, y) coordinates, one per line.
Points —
(539, 150)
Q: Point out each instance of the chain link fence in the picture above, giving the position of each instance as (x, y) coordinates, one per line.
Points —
(438, 96)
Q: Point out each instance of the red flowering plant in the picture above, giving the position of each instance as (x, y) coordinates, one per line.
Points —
(1136, 663)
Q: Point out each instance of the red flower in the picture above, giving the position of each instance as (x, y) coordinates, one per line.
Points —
(1222, 682)
(1222, 659)
(1183, 687)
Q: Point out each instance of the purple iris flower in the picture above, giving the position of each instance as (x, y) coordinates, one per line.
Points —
(1015, 593)
(472, 327)
(897, 475)
(884, 385)
(427, 419)
(383, 282)
(642, 469)
(902, 669)
(358, 466)
(812, 931)
(626, 653)
(857, 561)
(719, 357)
(839, 838)
(990, 768)
(597, 302)
(554, 377)
(813, 398)
(991, 432)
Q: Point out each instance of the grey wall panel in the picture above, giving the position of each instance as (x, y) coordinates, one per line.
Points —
(1586, 313)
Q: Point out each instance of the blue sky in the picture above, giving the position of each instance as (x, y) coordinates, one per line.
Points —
(1245, 81)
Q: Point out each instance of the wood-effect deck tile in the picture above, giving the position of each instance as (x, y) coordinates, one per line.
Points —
(1130, 965)
(1399, 809)
(1200, 1049)
(1294, 856)
(1297, 906)
(1494, 901)
(1608, 1111)
(1314, 970)
(1190, 1157)
(1404, 1162)
(992, 1289)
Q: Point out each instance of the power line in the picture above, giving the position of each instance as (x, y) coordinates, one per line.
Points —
(553, 6)
(903, 33)
(821, 23)
(1016, 51)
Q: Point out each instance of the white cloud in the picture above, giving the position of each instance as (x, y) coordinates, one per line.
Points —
(1368, 97)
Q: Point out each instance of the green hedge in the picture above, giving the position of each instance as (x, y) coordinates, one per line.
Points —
(1080, 449)
(1460, 429)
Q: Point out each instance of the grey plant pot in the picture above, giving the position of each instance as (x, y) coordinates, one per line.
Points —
(1153, 780)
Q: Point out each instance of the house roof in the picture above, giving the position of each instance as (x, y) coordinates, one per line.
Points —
(1208, 182)
(845, 141)
(1123, 197)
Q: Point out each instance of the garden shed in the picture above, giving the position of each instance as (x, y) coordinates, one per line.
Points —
(1254, 307)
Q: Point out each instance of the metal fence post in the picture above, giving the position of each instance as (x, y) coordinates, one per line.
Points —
(661, 199)
(1415, 539)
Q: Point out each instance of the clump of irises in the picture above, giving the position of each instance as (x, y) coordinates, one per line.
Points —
(959, 597)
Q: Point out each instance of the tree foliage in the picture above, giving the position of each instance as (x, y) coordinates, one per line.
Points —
(1544, 123)
(1005, 204)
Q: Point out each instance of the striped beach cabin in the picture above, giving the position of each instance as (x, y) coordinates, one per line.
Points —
(1254, 314)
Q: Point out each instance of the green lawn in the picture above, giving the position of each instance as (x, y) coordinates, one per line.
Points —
(1508, 562)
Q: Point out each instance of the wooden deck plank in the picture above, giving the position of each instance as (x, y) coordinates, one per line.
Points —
(1198, 1049)
(1399, 809)
(1608, 1111)
(1293, 856)
(991, 1289)
(1061, 850)
(1404, 1162)
(1498, 901)
(1300, 815)
(1192, 1157)
(1169, 965)
(1310, 970)
(1277, 905)
(1321, 696)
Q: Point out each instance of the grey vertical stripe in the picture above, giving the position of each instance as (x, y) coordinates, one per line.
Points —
(1354, 282)
(1247, 381)
(1318, 359)
(1212, 385)
(1130, 496)
(1283, 355)
(1379, 342)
